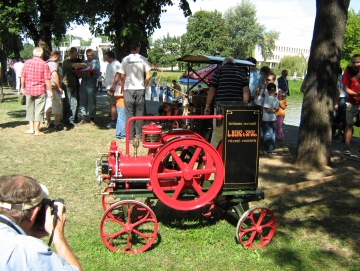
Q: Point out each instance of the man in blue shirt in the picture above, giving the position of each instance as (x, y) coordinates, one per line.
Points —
(22, 223)
(88, 89)
(254, 78)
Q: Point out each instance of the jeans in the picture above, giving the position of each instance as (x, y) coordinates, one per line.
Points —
(71, 104)
(268, 128)
(88, 97)
(120, 124)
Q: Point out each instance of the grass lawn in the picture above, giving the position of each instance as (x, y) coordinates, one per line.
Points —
(316, 229)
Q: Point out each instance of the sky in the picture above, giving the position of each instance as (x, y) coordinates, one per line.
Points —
(293, 19)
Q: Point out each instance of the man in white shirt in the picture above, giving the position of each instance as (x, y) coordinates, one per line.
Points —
(135, 72)
(18, 66)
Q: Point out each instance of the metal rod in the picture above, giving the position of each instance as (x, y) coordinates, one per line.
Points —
(127, 150)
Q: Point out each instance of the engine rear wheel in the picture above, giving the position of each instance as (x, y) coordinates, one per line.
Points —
(256, 227)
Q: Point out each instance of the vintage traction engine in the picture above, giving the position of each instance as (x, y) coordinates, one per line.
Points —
(185, 172)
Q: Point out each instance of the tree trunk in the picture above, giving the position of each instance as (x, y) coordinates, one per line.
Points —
(314, 141)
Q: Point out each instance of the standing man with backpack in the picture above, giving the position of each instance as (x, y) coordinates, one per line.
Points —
(53, 103)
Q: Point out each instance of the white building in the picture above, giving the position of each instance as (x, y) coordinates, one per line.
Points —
(284, 47)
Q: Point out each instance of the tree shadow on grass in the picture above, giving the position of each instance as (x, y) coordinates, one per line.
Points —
(326, 216)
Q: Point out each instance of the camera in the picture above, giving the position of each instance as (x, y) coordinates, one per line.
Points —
(41, 217)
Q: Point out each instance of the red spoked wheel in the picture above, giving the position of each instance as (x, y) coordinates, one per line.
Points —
(107, 199)
(180, 174)
(129, 227)
(256, 227)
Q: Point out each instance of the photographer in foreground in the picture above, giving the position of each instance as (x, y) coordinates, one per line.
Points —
(22, 222)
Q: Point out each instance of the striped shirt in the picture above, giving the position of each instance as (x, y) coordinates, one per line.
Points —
(229, 81)
(35, 72)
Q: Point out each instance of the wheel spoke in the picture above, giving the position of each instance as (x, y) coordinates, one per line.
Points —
(251, 239)
(261, 218)
(243, 231)
(195, 157)
(144, 236)
(113, 235)
(142, 220)
(269, 224)
(197, 188)
(113, 219)
(177, 159)
(178, 189)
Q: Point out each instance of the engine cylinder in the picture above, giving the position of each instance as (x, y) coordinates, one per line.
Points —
(151, 136)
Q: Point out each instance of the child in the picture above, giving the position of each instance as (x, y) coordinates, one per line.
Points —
(271, 105)
(280, 115)
(121, 118)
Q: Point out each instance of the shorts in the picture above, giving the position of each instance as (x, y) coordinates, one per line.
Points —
(53, 105)
(111, 98)
(351, 112)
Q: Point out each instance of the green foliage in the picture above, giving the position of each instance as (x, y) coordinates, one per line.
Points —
(206, 34)
(165, 51)
(245, 32)
(40, 20)
(128, 20)
(291, 63)
(27, 52)
(351, 38)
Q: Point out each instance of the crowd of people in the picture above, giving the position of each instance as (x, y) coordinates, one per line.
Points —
(48, 91)
(231, 83)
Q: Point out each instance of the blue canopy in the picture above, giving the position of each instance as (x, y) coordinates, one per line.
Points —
(184, 81)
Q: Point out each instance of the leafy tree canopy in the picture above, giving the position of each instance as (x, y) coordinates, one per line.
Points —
(351, 38)
(165, 51)
(245, 32)
(128, 20)
(206, 34)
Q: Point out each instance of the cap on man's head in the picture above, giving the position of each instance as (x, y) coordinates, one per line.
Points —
(9, 183)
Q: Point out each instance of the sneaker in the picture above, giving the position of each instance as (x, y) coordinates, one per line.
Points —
(111, 124)
(82, 122)
(58, 127)
(346, 151)
(92, 123)
(49, 124)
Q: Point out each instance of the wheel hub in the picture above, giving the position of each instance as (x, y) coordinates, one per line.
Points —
(188, 175)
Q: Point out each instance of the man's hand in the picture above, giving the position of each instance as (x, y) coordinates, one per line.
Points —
(207, 110)
(60, 223)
